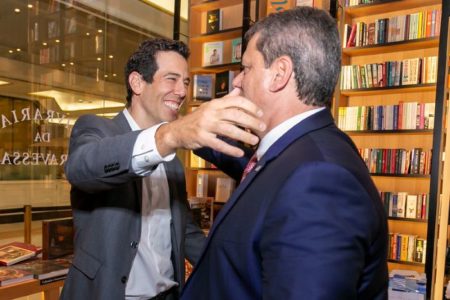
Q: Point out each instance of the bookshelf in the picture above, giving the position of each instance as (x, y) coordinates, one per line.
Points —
(229, 17)
(382, 106)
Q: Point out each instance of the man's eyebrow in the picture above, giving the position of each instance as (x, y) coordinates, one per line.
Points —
(172, 74)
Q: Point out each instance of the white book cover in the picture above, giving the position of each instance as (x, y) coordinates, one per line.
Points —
(224, 188)
(411, 206)
(202, 185)
(212, 53)
(401, 204)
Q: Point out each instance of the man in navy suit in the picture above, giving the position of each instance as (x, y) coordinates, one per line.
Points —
(307, 222)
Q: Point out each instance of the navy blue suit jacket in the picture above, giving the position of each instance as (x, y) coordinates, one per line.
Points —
(307, 223)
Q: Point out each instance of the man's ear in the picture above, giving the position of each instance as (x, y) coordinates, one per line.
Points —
(136, 82)
(282, 72)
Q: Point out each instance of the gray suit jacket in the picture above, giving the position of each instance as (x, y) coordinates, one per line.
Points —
(106, 202)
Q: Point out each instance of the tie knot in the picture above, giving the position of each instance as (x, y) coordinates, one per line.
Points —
(250, 166)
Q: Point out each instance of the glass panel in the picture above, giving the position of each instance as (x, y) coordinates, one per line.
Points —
(59, 60)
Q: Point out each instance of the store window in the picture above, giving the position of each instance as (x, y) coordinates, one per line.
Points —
(60, 60)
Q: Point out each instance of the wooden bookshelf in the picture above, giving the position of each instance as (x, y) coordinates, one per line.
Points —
(424, 46)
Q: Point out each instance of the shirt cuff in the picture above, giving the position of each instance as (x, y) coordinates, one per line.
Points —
(145, 153)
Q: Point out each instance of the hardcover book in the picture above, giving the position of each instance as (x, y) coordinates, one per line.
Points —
(213, 20)
(43, 269)
(15, 252)
(224, 83)
(9, 275)
(236, 50)
(224, 188)
(202, 185)
(57, 238)
(203, 87)
(212, 53)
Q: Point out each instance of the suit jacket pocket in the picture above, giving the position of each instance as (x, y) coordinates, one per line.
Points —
(86, 263)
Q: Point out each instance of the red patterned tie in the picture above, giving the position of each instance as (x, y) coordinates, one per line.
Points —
(249, 167)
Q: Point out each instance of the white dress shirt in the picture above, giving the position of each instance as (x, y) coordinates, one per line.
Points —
(275, 133)
(152, 270)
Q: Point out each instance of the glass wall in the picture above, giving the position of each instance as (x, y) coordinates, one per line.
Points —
(59, 60)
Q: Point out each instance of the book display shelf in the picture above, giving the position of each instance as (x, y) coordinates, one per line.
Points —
(215, 32)
(386, 102)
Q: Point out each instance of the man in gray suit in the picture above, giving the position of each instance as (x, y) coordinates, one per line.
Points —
(133, 227)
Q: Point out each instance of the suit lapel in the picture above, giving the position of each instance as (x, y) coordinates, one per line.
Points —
(317, 121)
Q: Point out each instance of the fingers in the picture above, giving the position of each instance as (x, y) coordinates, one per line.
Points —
(232, 116)
(236, 110)
(234, 92)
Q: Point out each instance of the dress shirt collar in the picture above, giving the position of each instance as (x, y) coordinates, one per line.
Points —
(275, 133)
(134, 126)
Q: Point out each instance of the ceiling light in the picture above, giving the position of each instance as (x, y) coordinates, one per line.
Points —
(57, 41)
(71, 63)
(17, 10)
(88, 34)
(106, 75)
(111, 56)
(30, 5)
(114, 75)
(44, 44)
(10, 51)
(99, 31)
(3, 82)
(18, 49)
(99, 58)
(63, 65)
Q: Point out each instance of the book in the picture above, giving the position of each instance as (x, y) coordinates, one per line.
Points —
(212, 53)
(224, 83)
(236, 50)
(224, 188)
(202, 185)
(203, 87)
(15, 252)
(57, 238)
(201, 211)
(9, 275)
(196, 161)
(213, 20)
(43, 269)
(305, 3)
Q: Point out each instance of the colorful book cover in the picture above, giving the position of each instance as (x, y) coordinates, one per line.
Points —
(236, 50)
(9, 275)
(43, 269)
(15, 252)
(212, 53)
(213, 20)
(203, 87)
(224, 83)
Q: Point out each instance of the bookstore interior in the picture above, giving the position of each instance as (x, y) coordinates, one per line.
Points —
(60, 59)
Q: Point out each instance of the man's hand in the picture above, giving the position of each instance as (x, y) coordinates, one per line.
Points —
(229, 116)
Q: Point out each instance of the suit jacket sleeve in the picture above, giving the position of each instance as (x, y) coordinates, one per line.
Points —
(99, 157)
(231, 166)
(311, 229)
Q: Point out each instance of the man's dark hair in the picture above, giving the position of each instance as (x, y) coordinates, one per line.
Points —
(310, 37)
(143, 60)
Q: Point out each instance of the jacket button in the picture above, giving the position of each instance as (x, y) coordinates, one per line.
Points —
(134, 244)
(124, 279)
